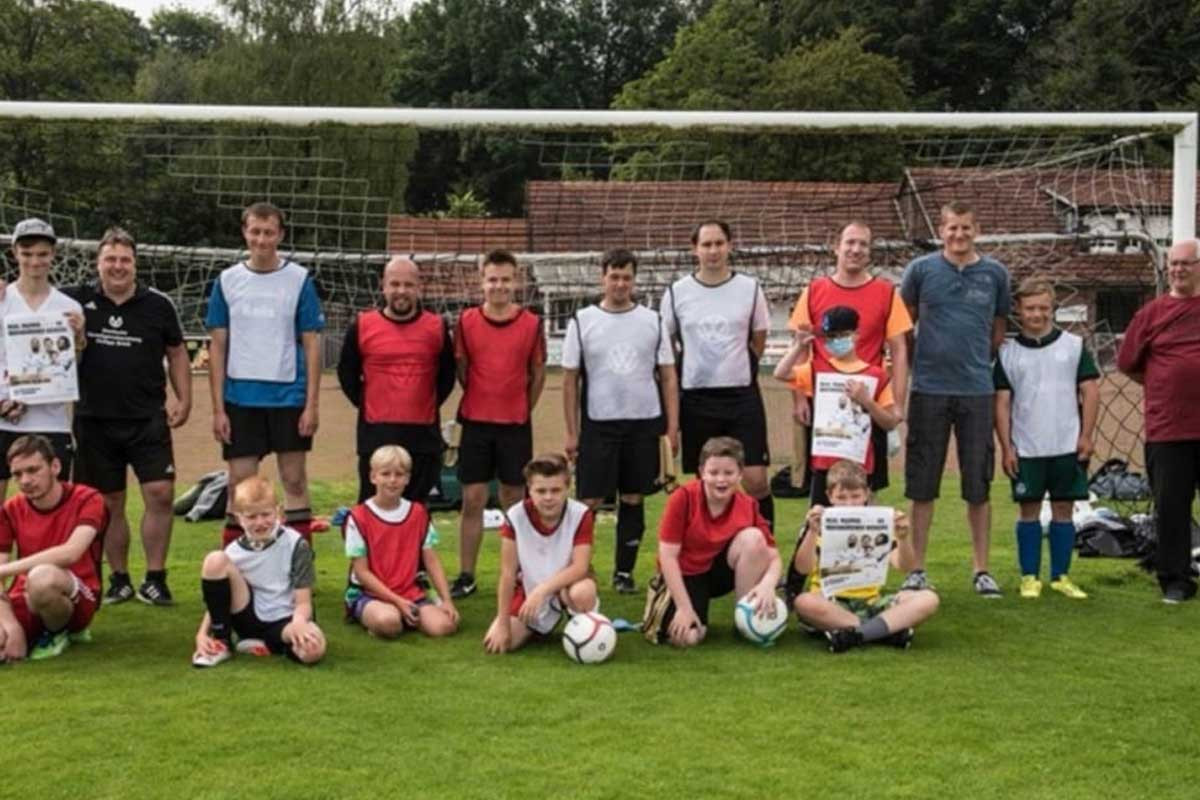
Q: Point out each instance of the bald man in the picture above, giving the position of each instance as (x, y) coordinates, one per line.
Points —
(397, 367)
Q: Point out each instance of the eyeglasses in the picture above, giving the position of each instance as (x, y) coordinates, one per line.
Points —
(1183, 262)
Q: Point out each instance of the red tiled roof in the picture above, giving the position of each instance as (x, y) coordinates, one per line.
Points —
(432, 235)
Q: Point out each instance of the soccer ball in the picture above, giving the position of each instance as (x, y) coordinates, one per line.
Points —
(763, 630)
(589, 638)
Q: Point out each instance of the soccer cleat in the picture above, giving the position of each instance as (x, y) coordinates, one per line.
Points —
(986, 586)
(463, 586)
(212, 659)
(1174, 596)
(155, 593)
(842, 639)
(49, 645)
(623, 583)
(1066, 587)
(80, 637)
(1031, 587)
(915, 581)
(901, 639)
(119, 590)
(253, 647)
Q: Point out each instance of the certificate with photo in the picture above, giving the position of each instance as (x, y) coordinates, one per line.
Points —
(40, 355)
(855, 544)
(841, 427)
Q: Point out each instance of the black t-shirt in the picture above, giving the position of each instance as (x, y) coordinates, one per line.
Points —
(121, 372)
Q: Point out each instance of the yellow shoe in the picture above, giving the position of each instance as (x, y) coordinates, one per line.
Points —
(1064, 586)
(1031, 587)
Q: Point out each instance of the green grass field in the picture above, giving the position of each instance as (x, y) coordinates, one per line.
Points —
(1010, 698)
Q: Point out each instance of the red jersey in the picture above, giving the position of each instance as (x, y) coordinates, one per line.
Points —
(1163, 344)
(34, 530)
(881, 315)
(394, 548)
(687, 522)
(400, 367)
(498, 357)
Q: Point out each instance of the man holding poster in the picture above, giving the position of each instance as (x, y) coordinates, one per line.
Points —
(847, 397)
(37, 389)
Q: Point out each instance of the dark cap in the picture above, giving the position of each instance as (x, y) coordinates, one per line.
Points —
(34, 228)
(839, 319)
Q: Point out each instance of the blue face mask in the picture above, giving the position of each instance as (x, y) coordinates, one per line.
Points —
(840, 347)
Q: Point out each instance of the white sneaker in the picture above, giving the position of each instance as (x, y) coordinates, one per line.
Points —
(212, 659)
(253, 647)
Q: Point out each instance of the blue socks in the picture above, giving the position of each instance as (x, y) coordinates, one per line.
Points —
(1062, 543)
(1029, 546)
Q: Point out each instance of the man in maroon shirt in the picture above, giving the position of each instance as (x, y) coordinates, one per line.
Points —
(1161, 351)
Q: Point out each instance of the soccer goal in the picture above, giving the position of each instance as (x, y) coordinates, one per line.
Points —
(1091, 200)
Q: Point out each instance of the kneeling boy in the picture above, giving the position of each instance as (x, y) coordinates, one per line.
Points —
(55, 527)
(387, 537)
(712, 540)
(864, 614)
(545, 558)
(259, 587)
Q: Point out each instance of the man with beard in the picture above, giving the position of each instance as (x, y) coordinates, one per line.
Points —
(397, 367)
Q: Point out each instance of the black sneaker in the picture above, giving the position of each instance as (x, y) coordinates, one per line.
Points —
(623, 583)
(915, 581)
(843, 639)
(155, 593)
(1172, 596)
(463, 585)
(901, 639)
(119, 590)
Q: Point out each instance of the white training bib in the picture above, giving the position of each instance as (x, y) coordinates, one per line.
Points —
(262, 321)
(619, 353)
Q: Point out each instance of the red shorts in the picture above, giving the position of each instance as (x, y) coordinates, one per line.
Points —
(85, 601)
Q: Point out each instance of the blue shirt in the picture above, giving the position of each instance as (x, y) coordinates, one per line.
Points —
(270, 394)
(955, 310)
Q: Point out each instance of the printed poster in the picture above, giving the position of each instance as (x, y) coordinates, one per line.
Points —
(40, 354)
(841, 427)
(855, 544)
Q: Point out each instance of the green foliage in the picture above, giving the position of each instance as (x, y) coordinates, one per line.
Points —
(1044, 700)
(725, 61)
(73, 50)
(464, 204)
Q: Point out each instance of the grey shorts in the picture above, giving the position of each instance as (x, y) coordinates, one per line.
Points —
(930, 420)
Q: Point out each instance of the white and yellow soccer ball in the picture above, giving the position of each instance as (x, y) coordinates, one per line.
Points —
(762, 629)
(589, 638)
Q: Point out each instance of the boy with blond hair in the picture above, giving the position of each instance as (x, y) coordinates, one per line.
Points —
(1047, 400)
(259, 587)
(864, 614)
(545, 558)
(388, 539)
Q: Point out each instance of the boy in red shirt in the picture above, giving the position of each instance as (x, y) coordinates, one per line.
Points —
(545, 558)
(712, 540)
(387, 538)
(56, 529)
(839, 329)
(501, 352)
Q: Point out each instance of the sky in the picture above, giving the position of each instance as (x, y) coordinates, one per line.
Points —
(144, 8)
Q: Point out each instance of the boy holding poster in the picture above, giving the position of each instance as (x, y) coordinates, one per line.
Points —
(844, 550)
(36, 394)
(845, 401)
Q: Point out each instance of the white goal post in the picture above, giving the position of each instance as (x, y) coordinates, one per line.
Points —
(1182, 125)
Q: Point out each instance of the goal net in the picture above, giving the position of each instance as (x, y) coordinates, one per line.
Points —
(1090, 206)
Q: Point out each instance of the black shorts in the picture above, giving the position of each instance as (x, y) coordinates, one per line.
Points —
(247, 625)
(930, 418)
(617, 456)
(108, 446)
(705, 413)
(494, 450)
(701, 588)
(426, 473)
(257, 431)
(64, 448)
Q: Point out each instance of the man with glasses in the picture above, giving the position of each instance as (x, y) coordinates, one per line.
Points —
(1161, 351)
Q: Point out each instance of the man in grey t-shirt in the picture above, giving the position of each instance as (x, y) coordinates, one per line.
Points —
(960, 301)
